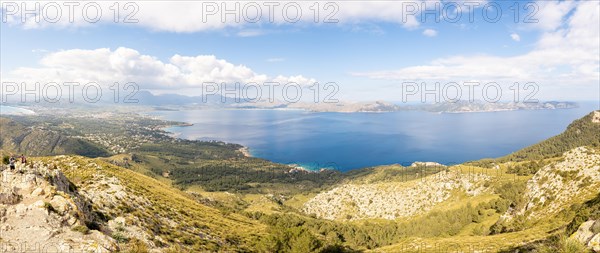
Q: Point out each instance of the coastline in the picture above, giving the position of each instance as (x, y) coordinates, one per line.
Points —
(173, 134)
(347, 163)
(245, 151)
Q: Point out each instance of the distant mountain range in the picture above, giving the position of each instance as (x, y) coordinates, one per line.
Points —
(177, 102)
(146, 98)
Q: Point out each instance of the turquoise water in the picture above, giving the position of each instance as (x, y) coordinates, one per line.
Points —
(348, 141)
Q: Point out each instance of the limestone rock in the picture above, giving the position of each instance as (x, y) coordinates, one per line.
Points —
(594, 243)
(584, 233)
(37, 210)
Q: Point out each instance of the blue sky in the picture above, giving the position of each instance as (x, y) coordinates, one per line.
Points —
(368, 53)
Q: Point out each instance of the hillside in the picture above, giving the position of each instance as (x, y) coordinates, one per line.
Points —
(170, 195)
(79, 202)
(582, 132)
(141, 145)
(36, 141)
(393, 200)
(532, 209)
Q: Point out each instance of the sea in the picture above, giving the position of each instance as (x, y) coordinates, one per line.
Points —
(346, 141)
(11, 110)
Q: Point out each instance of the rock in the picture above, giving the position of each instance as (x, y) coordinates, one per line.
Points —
(594, 243)
(426, 164)
(391, 200)
(584, 232)
(120, 220)
(21, 209)
(24, 212)
(9, 197)
(596, 117)
(37, 192)
(576, 175)
(39, 204)
(60, 204)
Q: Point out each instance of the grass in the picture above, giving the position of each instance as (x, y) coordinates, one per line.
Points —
(81, 229)
(261, 203)
(191, 218)
(298, 200)
(468, 243)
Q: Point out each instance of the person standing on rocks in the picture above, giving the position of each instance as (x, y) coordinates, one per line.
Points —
(11, 162)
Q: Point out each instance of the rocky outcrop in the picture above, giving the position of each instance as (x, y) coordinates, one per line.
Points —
(596, 117)
(41, 211)
(589, 234)
(109, 195)
(556, 185)
(77, 204)
(392, 200)
(426, 164)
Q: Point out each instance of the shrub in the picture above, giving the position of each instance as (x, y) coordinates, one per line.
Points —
(49, 207)
(81, 229)
(480, 230)
(513, 192)
(569, 245)
(120, 238)
(137, 246)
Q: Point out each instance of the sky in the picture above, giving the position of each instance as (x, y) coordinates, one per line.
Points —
(370, 50)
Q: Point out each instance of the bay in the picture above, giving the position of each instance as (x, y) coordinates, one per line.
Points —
(346, 141)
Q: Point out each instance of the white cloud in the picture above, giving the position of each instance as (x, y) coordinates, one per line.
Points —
(515, 37)
(430, 32)
(123, 65)
(194, 16)
(566, 55)
(550, 16)
(250, 33)
(275, 59)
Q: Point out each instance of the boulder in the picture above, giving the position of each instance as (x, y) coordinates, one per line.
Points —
(9, 197)
(584, 232)
(594, 243)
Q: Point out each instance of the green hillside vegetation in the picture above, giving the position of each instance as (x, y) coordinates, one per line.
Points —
(16, 138)
(590, 210)
(212, 165)
(560, 241)
(582, 132)
(391, 173)
(217, 166)
(368, 234)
